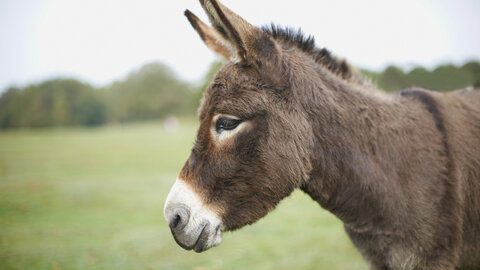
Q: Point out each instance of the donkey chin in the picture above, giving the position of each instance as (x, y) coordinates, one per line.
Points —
(193, 225)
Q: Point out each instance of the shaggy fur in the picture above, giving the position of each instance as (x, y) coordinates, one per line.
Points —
(307, 44)
(401, 171)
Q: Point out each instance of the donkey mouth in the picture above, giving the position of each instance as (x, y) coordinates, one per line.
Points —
(200, 245)
(202, 241)
(197, 245)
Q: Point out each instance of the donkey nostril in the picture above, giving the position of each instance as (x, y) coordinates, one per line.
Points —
(175, 221)
(180, 218)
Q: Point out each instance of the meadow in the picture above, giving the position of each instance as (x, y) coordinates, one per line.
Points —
(92, 198)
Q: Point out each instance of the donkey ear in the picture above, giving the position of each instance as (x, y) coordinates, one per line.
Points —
(233, 33)
(209, 35)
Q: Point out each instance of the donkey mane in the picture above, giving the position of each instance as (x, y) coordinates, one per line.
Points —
(306, 43)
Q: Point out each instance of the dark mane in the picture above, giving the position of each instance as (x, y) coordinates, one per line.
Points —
(306, 43)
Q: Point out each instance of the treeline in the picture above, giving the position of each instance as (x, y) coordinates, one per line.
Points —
(442, 78)
(154, 92)
(151, 92)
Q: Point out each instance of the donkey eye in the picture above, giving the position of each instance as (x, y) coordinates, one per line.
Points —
(225, 123)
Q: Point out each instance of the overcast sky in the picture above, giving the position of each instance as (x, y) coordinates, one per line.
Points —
(100, 41)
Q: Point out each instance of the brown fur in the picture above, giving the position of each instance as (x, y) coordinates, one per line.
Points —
(401, 171)
(208, 35)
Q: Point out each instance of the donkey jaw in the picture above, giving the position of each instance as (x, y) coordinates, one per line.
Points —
(193, 225)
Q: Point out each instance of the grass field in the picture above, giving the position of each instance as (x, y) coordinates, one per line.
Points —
(79, 198)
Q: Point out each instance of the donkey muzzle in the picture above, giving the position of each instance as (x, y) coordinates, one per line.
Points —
(193, 225)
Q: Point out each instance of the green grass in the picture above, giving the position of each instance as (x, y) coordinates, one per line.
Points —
(79, 198)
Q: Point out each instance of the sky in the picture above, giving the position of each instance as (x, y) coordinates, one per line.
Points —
(100, 41)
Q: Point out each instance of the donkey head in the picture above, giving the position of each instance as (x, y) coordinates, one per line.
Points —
(251, 146)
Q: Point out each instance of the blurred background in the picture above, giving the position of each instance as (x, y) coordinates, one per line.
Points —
(97, 116)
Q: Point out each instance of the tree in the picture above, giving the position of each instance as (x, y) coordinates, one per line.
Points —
(10, 104)
(151, 92)
(473, 68)
(51, 103)
(449, 77)
(392, 79)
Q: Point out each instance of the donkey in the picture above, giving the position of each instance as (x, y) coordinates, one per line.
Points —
(401, 171)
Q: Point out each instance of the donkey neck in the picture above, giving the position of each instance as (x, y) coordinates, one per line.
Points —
(349, 122)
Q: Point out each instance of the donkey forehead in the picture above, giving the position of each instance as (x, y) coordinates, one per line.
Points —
(236, 75)
(234, 90)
